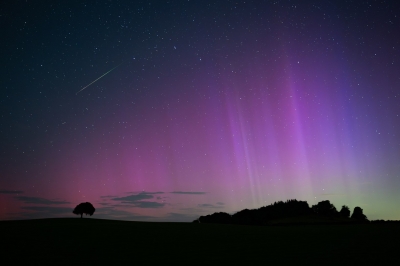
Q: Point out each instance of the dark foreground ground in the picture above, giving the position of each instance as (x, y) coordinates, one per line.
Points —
(107, 242)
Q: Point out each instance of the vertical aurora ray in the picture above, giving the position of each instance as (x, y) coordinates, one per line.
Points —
(302, 174)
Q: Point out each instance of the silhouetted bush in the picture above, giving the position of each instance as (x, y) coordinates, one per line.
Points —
(84, 208)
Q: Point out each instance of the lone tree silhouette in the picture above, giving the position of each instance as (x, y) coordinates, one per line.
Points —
(84, 208)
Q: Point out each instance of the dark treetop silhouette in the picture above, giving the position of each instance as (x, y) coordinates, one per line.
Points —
(345, 211)
(358, 214)
(294, 210)
(84, 208)
(324, 208)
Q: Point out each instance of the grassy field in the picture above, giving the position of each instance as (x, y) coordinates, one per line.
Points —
(72, 241)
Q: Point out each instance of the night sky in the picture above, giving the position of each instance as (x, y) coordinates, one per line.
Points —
(168, 110)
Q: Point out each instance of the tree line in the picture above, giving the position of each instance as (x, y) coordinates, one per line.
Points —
(322, 211)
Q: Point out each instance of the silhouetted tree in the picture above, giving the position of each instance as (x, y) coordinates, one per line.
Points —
(345, 211)
(282, 210)
(84, 208)
(324, 208)
(358, 214)
(277, 210)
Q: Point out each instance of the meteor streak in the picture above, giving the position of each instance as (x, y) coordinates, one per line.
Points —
(97, 79)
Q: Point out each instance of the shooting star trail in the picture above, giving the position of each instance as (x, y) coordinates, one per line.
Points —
(97, 79)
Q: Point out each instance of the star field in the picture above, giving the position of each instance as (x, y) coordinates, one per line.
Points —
(168, 111)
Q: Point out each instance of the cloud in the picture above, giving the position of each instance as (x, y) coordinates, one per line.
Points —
(36, 212)
(202, 208)
(188, 192)
(137, 200)
(5, 191)
(113, 213)
(332, 194)
(134, 198)
(48, 209)
(37, 200)
(148, 204)
(152, 193)
(207, 205)
(193, 210)
(144, 192)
